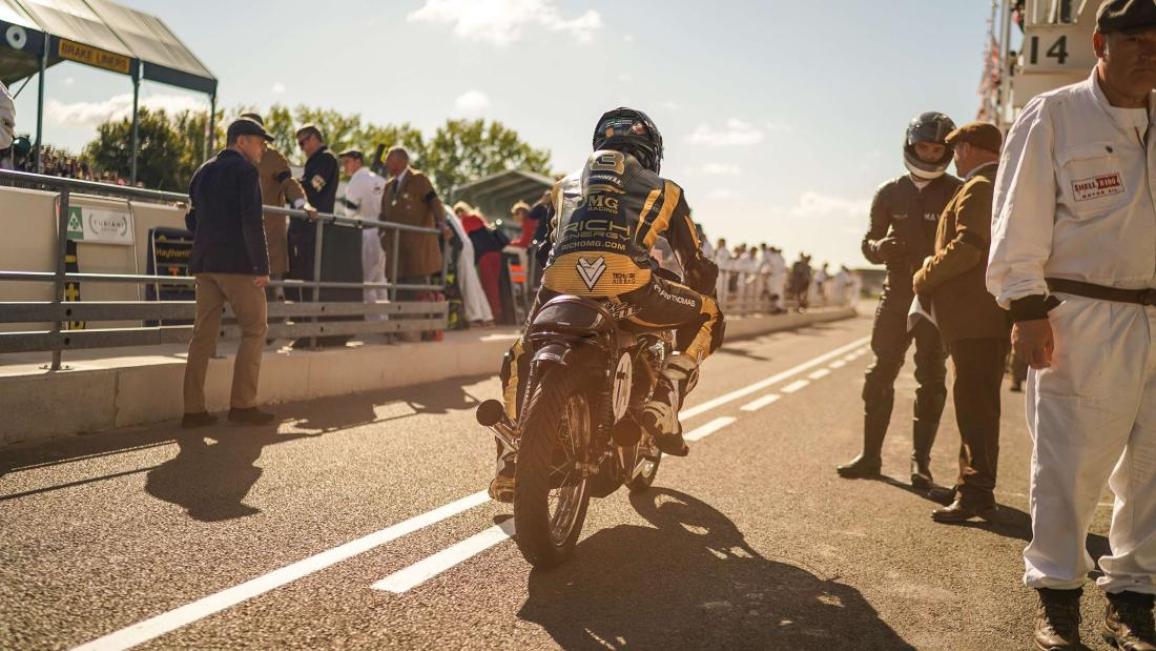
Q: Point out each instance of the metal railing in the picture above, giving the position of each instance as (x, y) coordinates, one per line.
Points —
(398, 316)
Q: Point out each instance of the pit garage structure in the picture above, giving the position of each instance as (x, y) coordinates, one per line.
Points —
(38, 34)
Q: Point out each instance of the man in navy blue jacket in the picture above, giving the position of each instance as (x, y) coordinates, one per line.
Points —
(230, 260)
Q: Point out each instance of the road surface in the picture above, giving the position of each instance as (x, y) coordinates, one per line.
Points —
(358, 523)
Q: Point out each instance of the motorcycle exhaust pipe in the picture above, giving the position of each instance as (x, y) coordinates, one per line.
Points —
(492, 414)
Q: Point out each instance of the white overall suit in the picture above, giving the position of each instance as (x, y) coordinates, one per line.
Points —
(363, 194)
(1074, 200)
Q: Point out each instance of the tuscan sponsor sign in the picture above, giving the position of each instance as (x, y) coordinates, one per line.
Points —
(94, 56)
(100, 225)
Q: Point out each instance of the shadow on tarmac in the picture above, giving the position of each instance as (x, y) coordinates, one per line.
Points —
(1008, 522)
(317, 417)
(210, 480)
(693, 582)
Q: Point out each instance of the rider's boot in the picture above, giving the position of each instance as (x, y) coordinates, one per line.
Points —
(502, 486)
(660, 414)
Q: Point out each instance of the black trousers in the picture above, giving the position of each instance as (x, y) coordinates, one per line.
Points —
(890, 341)
(302, 252)
(979, 370)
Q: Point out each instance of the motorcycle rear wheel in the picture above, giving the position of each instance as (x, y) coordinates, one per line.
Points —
(551, 493)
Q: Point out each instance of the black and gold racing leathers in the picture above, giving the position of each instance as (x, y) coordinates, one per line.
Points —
(607, 218)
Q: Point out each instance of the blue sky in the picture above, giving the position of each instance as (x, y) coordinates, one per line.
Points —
(780, 117)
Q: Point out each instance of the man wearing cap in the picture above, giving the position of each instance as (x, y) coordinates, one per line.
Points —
(363, 199)
(974, 328)
(320, 183)
(1073, 257)
(230, 260)
(278, 187)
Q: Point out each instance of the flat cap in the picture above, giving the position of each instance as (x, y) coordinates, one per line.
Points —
(1125, 15)
(984, 135)
(247, 127)
(354, 153)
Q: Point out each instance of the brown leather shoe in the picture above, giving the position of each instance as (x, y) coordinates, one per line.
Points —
(197, 419)
(962, 511)
(1058, 620)
(1128, 622)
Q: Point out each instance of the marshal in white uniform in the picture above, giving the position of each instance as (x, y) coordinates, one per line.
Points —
(1074, 201)
(363, 195)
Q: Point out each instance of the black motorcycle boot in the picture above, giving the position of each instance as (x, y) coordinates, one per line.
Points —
(870, 462)
(1057, 626)
(1128, 622)
(923, 438)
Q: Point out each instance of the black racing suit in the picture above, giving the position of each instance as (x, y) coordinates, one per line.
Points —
(607, 218)
(902, 234)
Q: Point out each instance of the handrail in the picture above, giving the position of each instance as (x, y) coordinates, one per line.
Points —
(57, 338)
(162, 196)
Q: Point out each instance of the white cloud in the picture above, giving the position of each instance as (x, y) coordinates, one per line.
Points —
(721, 194)
(735, 133)
(814, 204)
(628, 38)
(68, 81)
(91, 114)
(278, 88)
(472, 102)
(502, 22)
(779, 127)
(669, 105)
(721, 169)
(625, 78)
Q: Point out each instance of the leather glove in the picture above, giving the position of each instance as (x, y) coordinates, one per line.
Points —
(703, 278)
(890, 249)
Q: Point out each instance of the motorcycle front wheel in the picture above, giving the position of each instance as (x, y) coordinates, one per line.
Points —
(550, 488)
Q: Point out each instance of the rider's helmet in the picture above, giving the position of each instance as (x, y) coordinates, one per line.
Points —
(631, 132)
(930, 127)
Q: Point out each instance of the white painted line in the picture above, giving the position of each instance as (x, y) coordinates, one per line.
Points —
(756, 405)
(795, 386)
(155, 627)
(837, 364)
(708, 429)
(409, 578)
(774, 379)
(850, 358)
(820, 374)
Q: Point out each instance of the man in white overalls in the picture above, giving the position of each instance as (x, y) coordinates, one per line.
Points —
(1074, 258)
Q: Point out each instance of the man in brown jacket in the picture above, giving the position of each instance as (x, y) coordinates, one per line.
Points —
(278, 187)
(409, 198)
(974, 328)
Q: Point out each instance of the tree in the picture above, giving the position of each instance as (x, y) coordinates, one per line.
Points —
(465, 150)
(159, 163)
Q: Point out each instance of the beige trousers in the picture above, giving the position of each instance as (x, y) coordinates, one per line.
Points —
(249, 306)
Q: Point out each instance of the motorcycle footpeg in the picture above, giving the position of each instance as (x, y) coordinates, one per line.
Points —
(626, 432)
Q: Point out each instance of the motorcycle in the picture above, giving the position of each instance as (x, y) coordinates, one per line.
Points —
(578, 433)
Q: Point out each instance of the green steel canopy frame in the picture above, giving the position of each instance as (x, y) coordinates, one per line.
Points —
(37, 34)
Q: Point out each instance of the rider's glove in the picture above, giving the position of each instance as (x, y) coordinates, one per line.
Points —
(890, 249)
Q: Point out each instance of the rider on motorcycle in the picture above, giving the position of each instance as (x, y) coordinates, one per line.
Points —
(608, 216)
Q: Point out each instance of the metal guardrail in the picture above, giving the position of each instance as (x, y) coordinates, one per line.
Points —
(395, 316)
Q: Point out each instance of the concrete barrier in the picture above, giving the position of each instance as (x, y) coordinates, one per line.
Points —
(106, 392)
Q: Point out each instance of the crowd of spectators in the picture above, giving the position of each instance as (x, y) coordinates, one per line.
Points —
(758, 278)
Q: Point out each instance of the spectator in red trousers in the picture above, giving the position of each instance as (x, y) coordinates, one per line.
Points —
(487, 252)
